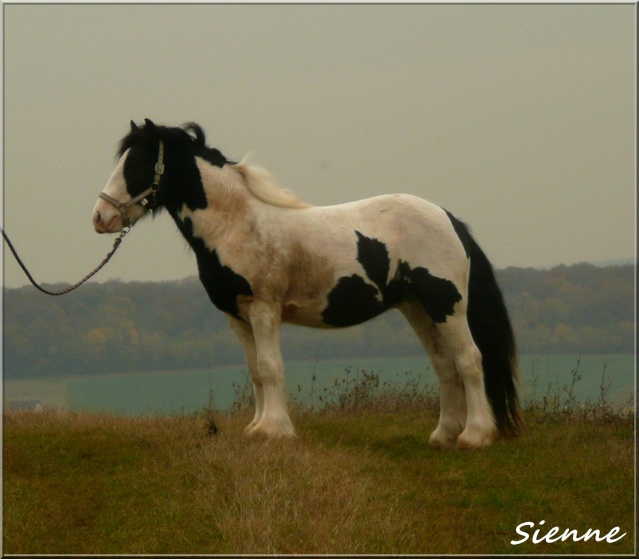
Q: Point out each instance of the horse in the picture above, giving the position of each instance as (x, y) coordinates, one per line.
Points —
(266, 257)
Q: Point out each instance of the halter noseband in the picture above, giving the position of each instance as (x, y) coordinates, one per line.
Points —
(123, 207)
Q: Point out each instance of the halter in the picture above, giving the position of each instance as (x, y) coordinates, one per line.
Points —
(123, 207)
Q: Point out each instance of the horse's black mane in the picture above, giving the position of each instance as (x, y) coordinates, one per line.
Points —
(189, 134)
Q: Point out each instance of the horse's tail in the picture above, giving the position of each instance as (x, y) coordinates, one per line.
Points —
(492, 331)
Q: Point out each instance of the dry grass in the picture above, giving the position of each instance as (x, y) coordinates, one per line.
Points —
(350, 483)
(80, 483)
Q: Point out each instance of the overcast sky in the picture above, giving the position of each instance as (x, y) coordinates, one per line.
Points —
(520, 120)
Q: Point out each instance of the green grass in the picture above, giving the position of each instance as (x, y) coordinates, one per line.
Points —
(359, 478)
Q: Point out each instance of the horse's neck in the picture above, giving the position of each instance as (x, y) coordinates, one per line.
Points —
(227, 206)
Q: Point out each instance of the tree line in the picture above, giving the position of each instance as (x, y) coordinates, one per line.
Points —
(143, 326)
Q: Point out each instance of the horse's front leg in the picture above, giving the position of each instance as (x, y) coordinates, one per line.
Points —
(274, 420)
(244, 332)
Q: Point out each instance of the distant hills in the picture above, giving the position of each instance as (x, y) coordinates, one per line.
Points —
(138, 326)
(615, 262)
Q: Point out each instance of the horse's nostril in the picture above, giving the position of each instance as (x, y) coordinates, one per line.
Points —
(98, 217)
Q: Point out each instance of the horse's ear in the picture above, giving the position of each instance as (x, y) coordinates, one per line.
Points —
(151, 133)
(133, 126)
(150, 130)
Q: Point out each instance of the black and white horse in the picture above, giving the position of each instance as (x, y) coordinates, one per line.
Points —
(265, 257)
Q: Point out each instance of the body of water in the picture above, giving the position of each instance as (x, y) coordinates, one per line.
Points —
(184, 392)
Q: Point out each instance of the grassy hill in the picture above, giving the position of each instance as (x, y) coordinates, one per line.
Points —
(359, 478)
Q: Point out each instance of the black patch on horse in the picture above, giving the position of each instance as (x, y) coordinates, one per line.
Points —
(222, 284)
(353, 300)
(438, 296)
(373, 256)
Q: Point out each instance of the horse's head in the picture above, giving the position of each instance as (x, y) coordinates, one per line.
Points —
(134, 186)
(140, 184)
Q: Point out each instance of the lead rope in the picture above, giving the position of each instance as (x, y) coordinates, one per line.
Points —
(101, 265)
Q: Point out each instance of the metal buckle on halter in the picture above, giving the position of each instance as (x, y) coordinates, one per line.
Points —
(153, 189)
(159, 166)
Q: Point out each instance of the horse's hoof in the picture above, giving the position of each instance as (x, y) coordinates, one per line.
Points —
(474, 437)
(441, 444)
(271, 429)
(440, 439)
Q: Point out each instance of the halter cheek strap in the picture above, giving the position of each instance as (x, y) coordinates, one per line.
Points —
(123, 207)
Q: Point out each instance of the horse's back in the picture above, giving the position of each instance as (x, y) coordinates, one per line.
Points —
(412, 229)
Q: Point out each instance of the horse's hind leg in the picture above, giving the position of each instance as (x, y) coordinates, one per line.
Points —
(452, 400)
(480, 429)
(244, 332)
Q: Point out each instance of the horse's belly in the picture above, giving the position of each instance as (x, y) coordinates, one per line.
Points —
(329, 317)
(304, 315)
